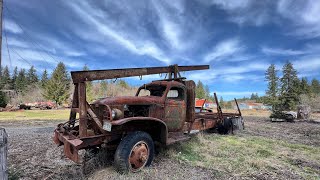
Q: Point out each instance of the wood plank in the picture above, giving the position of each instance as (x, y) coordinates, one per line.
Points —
(3, 154)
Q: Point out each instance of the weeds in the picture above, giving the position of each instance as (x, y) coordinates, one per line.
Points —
(246, 155)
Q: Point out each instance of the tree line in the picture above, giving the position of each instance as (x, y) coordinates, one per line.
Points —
(287, 91)
(56, 87)
(25, 82)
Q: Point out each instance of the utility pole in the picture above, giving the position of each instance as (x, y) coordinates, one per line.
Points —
(1, 8)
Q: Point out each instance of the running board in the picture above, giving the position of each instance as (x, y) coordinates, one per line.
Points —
(174, 137)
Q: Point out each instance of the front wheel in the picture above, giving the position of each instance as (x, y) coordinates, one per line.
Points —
(134, 152)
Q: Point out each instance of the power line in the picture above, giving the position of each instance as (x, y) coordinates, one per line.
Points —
(5, 34)
(13, 50)
(32, 41)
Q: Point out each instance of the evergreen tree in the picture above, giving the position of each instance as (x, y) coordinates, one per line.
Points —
(32, 77)
(14, 77)
(57, 88)
(200, 91)
(123, 84)
(21, 81)
(207, 92)
(272, 91)
(252, 97)
(89, 87)
(221, 102)
(228, 105)
(290, 87)
(304, 86)
(44, 79)
(103, 88)
(315, 86)
(5, 78)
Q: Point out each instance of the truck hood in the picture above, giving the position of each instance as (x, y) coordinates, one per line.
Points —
(130, 100)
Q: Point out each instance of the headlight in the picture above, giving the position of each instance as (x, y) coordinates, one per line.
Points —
(113, 114)
(116, 114)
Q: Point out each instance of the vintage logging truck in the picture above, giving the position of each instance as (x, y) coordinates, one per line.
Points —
(161, 112)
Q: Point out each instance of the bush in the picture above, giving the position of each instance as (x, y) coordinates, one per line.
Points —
(3, 99)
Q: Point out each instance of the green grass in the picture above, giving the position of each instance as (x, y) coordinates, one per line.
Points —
(248, 155)
(60, 114)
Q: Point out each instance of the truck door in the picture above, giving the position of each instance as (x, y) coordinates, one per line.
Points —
(175, 108)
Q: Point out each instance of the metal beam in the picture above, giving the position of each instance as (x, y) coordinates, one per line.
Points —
(82, 76)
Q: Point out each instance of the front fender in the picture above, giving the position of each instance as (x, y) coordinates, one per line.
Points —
(163, 127)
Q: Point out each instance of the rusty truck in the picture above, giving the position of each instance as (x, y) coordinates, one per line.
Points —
(161, 112)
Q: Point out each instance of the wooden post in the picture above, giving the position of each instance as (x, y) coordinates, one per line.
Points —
(83, 109)
(3, 154)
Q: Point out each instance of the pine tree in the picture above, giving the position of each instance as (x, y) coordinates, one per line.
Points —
(44, 79)
(207, 92)
(21, 81)
(221, 102)
(57, 88)
(13, 79)
(272, 91)
(290, 87)
(304, 86)
(123, 84)
(89, 87)
(5, 78)
(315, 86)
(103, 88)
(200, 91)
(32, 77)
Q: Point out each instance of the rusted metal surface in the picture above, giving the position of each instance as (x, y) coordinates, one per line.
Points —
(165, 114)
(139, 155)
(82, 76)
(235, 100)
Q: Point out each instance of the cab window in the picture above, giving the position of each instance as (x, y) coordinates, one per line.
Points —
(176, 93)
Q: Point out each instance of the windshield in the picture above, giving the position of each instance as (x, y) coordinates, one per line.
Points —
(153, 90)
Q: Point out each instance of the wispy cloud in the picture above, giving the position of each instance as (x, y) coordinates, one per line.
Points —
(224, 49)
(245, 11)
(282, 52)
(98, 20)
(12, 27)
(305, 16)
(238, 93)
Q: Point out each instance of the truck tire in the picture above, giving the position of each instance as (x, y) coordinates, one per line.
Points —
(134, 152)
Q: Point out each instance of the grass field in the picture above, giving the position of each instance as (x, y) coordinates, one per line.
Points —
(247, 155)
(60, 114)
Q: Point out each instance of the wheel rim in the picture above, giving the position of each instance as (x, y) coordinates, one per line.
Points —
(139, 156)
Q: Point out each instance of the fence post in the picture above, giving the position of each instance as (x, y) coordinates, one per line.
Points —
(3, 154)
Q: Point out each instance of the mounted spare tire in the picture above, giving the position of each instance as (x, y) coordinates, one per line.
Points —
(134, 152)
(226, 126)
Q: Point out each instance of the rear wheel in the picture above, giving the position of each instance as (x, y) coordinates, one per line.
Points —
(134, 152)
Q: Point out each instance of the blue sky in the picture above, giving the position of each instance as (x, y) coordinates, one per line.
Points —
(238, 39)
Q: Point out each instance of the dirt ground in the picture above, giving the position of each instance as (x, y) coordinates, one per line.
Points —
(33, 155)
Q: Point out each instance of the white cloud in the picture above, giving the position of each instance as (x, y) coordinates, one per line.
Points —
(12, 27)
(283, 52)
(245, 11)
(98, 20)
(231, 73)
(238, 93)
(12, 41)
(307, 64)
(305, 16)
(232, 5)
(224, 49)
(171, 30)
